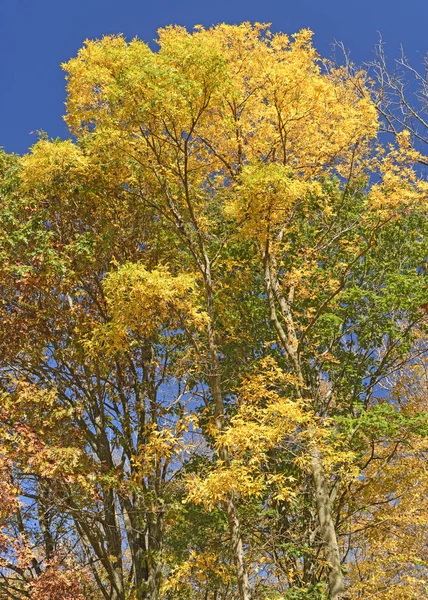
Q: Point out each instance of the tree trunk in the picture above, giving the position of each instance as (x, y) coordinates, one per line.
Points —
(202, 260)
(215, 384)
(328, 531)
(154, 544)
(238, 550)
(288, 339)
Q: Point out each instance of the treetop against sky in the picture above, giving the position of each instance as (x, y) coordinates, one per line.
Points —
(35, 37)
(213, 379)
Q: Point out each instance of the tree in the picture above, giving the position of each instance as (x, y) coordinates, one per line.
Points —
(399, 108)
(399, 91)
(112, 412)
(210, 285)
(386, 514)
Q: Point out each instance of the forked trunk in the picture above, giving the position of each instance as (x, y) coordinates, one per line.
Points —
(287, 335)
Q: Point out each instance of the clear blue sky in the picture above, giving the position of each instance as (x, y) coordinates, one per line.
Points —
(37, 35)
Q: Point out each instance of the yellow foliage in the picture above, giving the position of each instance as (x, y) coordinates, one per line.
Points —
(265, 195)
(145, 303)
(389, 528)
(264, 419)
(390, 534)
(197, 571)
(212, 108)
(160, 446)
(234, 123)
(400, 188)
(54, 164)
(37, 432)
(223, 481)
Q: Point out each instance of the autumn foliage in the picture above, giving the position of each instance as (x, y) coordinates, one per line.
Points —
(212, 353)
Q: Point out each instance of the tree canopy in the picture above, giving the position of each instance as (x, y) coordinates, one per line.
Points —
(214, 313)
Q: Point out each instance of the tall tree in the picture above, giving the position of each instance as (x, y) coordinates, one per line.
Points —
(209, 287)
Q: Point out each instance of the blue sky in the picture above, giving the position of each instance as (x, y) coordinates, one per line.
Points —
(37, 35)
